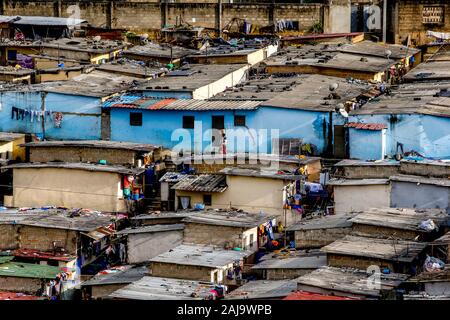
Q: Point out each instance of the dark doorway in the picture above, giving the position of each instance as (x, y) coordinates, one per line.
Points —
(218, 122)
(340, 147)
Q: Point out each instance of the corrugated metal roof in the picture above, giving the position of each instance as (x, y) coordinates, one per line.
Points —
(148, 103)
(366, 126)
(48, 21)
(155, 288)
(203, 183)
(204, 105)
(8, 19)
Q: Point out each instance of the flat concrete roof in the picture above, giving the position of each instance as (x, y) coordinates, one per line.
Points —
(313, 94)
(229, 218)
(101, 144)
(326, 222)
(190, 78)
(156, 288)
(293, 259)
(200, 255)
(76, 166)
(152, 229)
(263, 289)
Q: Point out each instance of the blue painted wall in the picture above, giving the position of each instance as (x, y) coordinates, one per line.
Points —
(159, 125)
(81, 115)
(428, 135)
(367, 144)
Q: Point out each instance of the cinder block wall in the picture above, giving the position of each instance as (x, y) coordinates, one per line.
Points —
(178, 271)
(212, 235)
(305, 239)
(25, 285)
(356, 262)
(9, 239)
(148, 15)
(370, 172)
(42, 238)
(410, 20)
(281, 274)
(76, 154)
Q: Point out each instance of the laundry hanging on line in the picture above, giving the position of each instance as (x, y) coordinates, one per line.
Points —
(31, 115)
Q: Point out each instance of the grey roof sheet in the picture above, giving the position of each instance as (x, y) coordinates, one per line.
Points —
(94, 144)
(131, 274)
(260, 173)
(155, 288)
(260, 88)
(356, 182)
(164, 215)
(97, 84)
(399, 218)
(10, 136)
(228, 218)
(312, 94)
(264, 289)
(77, 166)
(348, 281)
(200, 75)
(385, 249)
(58, 219)
(173, 177)
(154, 50)
(153, 229)
(379, 49)
(292, 260)
(48, 21)
(326, 222)
(202, 183)
(419, 179)
(199, 255)
(356, 163)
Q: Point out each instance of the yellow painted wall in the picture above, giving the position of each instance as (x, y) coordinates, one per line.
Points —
(13, 148)
(250, 194)
(36, 187)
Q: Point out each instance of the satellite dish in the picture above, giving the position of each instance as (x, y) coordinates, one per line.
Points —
(343, 113)
(333, 86)
(341, 110)
(388, 53)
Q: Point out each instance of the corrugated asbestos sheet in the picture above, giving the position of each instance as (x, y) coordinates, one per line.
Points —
(202, 183)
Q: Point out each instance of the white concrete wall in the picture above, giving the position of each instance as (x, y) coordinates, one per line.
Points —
(144, 246)
(230, 80)
(338, 17)
(362, 197)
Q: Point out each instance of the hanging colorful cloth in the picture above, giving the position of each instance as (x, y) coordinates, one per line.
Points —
(57, 119)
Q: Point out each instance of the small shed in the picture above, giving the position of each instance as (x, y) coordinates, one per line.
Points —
(108, 281)
(263, 289)
(400, 223)
(158, 288)
(361, 252)
(201, 263)
(144, 243)
(319, 232)
(226, 228)
(410, 191)
(355, 195)
(351, 282)
(289, 265)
